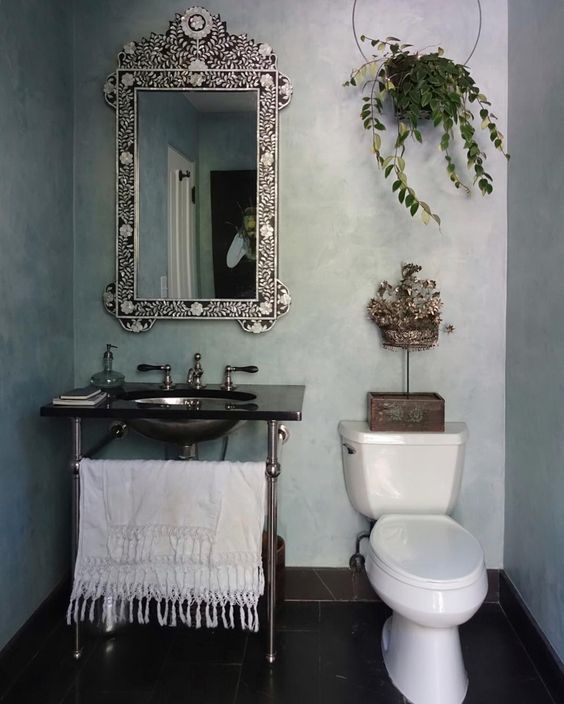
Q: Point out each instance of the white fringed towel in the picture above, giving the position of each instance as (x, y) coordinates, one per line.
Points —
(186, 535)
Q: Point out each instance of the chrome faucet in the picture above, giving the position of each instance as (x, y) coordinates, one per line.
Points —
(195, 373)
(228, 384)
(165, 368)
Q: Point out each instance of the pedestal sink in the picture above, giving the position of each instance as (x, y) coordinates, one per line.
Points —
(186, 431)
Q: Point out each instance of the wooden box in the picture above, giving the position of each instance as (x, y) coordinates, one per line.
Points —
(414, 412)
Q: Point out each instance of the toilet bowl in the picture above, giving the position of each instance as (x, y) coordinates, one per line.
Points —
(425, 566)
(430, 571)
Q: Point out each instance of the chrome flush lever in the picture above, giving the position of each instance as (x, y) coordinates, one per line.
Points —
(349, 449)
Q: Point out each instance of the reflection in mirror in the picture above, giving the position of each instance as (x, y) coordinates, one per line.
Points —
(197, 194)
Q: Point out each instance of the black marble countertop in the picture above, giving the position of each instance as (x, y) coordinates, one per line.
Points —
(246, 402)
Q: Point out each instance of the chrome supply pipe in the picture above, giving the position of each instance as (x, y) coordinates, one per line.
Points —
(116, 431)
(276, 433)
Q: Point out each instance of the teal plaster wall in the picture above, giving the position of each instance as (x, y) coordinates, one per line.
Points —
(36, 288)
(534, 519)
(341, 232)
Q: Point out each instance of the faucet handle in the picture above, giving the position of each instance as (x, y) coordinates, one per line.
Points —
(166, 368)
(228, 384)
(195, 373)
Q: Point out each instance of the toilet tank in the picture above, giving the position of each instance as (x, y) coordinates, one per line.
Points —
(388, 472)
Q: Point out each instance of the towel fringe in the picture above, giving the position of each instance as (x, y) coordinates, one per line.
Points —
(192, 607)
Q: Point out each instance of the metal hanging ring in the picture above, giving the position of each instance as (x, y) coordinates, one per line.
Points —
(464, 64)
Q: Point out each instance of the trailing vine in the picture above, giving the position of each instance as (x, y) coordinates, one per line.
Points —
(424, 87)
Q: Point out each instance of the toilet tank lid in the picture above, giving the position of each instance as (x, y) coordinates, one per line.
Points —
(359, 432)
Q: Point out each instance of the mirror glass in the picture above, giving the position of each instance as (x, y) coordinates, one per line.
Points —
(197, 194)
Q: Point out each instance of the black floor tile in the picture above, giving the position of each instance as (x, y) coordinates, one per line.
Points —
(219, 646)
(128, 661)
(350, 633)
(197, 683)
(482, 690)
(328, 653)
(297, 616)
(32, 637)
(79, 696)
(492, 652)
(368, 685)
(292, 679)
(51, 672)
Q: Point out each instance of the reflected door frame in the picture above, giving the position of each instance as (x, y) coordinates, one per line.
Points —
(183, 281)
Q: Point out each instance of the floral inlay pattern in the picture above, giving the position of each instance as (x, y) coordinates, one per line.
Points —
(197, 52)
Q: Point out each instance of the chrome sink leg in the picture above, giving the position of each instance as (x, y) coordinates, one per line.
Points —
(272, 472)
(75, 466)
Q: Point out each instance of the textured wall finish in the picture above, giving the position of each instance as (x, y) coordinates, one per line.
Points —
(534, 525)
(340, 233)
(36, 288)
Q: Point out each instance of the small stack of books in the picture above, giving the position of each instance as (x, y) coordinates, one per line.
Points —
(87, 396)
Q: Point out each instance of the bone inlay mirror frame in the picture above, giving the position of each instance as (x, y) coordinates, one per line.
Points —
(197, 53)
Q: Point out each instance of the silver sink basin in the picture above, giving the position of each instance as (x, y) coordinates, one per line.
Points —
(188, 431)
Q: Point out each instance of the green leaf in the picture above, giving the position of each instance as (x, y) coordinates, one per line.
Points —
(401, 195)
(414, 208)
(418, 136)
(396, 185)
(425, 217)
(388, 170)
(401, 163)
(408, 200)
(376, 143)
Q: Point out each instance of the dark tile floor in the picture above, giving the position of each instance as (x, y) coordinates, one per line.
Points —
(328, 653)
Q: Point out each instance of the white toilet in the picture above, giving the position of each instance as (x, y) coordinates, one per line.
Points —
(422, 563)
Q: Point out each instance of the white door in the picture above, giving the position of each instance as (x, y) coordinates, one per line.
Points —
(182, 246)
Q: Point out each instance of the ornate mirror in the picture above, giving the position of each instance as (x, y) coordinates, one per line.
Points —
(197, 169)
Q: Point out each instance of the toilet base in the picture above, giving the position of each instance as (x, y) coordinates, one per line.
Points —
(425, 664)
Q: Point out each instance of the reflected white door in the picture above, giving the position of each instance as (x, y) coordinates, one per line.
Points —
(182, 244)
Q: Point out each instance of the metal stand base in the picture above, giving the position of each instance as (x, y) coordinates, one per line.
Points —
(75, 467)
(276, 433)
(272, 472)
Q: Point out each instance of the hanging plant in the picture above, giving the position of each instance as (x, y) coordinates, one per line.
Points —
(424, 87)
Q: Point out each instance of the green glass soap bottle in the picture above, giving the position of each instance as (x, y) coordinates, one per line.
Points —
(108, 378)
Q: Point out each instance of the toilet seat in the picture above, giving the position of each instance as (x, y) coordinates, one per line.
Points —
(426, 551)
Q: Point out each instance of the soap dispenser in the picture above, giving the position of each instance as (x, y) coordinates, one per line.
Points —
(108, 378)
